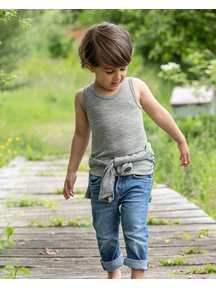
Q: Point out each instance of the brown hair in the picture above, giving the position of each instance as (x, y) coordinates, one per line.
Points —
(106, 44)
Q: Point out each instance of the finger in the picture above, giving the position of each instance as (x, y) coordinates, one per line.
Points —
(71, 191)
(66, 193)
(184, 161)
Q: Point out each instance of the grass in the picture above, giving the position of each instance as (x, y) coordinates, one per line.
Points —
(154, 221)
(206, 269)
(54, 221)
(39, 110)
(175, 262)
(25, 201)
(194, 251)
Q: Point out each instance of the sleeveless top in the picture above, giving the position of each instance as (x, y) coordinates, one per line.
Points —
(117, 129)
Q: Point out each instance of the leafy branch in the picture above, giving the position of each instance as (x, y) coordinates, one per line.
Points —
(6, 241)
(12, 271)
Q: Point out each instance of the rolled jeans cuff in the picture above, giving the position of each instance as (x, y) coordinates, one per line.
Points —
(136, 264)
(111, 266)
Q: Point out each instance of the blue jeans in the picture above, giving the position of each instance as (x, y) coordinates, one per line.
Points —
(130, 206)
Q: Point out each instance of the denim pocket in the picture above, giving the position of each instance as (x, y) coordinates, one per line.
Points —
(144, 177)
(94, 180)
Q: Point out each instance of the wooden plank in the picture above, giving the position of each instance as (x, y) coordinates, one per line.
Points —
(97, 272)
(68, 243)
(77, 246)
(90, 251)
(95, 261)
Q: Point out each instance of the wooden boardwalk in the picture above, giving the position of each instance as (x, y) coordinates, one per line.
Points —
(71, 252)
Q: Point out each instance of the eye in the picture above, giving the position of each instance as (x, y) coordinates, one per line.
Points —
(110, 72)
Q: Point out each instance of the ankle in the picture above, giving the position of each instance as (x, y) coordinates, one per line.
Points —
(115, 274)
(137, 274)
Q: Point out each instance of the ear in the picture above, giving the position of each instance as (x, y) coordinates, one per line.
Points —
(90, 67)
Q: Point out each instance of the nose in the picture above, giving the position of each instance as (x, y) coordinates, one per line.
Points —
(117, 76)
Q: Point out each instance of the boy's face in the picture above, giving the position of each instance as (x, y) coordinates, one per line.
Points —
(108, 78)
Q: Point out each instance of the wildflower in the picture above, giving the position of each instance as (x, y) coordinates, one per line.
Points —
(167, 240)
(10, 140)
(1, 154)
(15, 152)
(17, 138)
(9, 151)
(169, 66)
(2, 146)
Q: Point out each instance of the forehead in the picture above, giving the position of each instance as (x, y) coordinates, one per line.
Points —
(106, 67)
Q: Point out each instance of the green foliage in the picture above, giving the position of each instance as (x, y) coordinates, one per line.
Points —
(206, 269)
(200, 70)
(204, 234)
(194, 251)
(197, 181)
(181, 31)
(183, 36)
(6, 241)
(9, 149)
(58, 192)
(80, 191)
(11, 271)
(80, 200)
(79, 222)
(152, 221)
(174, 262)
(7, 15)
(5, 79)
(9, 19)
(180, 235)
(172, 72)
(54, 221)
(84, 167)
(25, 201)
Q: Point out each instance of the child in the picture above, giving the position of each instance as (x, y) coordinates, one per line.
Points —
(121, 161)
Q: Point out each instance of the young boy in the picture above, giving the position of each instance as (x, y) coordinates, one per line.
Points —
(121, 161)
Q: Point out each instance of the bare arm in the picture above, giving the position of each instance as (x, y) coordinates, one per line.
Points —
(162, 118)
(78, 147)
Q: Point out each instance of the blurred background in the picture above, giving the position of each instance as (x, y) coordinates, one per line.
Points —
(40, 73)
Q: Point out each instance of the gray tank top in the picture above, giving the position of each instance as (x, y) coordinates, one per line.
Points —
(116, 123)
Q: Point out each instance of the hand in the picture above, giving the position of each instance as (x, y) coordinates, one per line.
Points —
(184, 154)
(69, 186)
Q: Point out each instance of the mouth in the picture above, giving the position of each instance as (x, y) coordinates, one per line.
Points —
(115, 84)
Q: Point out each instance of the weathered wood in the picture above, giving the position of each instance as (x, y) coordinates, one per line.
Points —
(68, 243)
(76, 247)
(94, 272)
(161, 250)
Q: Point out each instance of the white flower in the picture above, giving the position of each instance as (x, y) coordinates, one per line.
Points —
(170, 66)
(208, 71)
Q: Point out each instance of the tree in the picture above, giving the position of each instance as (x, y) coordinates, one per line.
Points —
(7, 16)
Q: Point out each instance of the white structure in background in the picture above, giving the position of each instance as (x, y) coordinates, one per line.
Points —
(192, 101)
